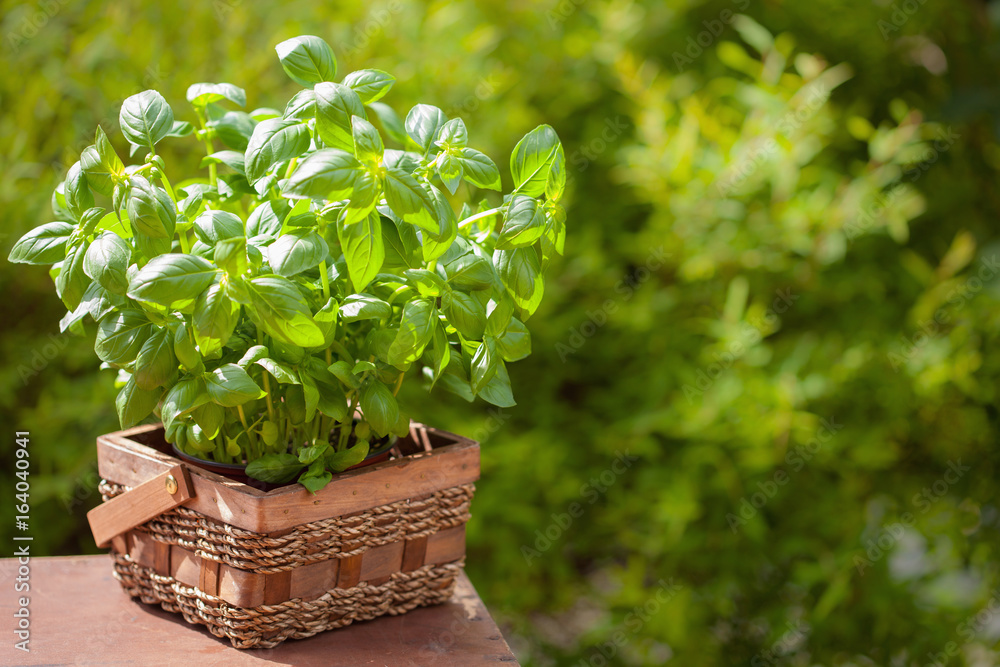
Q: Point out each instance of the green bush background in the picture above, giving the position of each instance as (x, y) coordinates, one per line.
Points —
(821, 183)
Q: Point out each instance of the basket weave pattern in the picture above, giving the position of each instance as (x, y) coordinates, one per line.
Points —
(258, 590)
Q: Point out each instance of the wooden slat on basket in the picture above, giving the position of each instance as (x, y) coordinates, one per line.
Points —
(242, 506)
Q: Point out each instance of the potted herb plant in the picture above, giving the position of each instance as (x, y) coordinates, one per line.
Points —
(267, 313)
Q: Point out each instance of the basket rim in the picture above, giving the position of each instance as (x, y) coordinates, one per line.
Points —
(124, 460)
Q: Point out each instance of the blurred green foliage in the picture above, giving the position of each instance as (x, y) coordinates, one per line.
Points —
(779, 296)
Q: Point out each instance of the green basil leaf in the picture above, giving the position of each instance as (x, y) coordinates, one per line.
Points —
(500, 313)
(484, 364)
(423, 124)
(101, 164)
(309, 454)
(280, 310)
(274, 141)
(523, 223)
(215, 318)
(202, 94)
(252, 355)
(180, 129)
(232, 159)
(370, 84)
(532, 159)
(274, 468)
(335, 105)
(427, 283)
(453, 134)
(307, 60)
(479, 169)
(326, 320)
(390, 121)
(146, 118)
(342, 371)
(281, 372)
(331, 400)
(263, 221)
(434, 245)
(231, 255)
(171, 278)
(520, 272)
(326, 174)
(234, 129)
(210, 418)
(358, 307)
(297, 251)
(556, 184)
(316, 477)
(79, 198)
(155, 364)
(363, 250)
(470, 272)
(440, 353)
(379, 406)
(120, 336)
(107, 261)
(135, 404)
(184, 397)
(213, 226)
(497, 390)
(347, 458)
(366, 194)
(72, 281)
(401, 245)
(302, 106)
(415, 331)
(367, 141)
(466, 313)
(409, 199)
(230, 386)
(45, 244)
(150, 210)
(515, 343)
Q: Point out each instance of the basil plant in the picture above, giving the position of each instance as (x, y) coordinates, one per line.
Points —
(255, 310)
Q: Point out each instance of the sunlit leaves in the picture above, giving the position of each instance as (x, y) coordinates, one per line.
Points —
(307, 60)
(146, 118)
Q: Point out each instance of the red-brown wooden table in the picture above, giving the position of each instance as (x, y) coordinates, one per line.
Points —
(80, 616)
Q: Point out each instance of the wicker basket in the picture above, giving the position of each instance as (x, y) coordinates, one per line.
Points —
(261, 567)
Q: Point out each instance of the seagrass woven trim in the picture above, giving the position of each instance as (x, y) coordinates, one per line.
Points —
(336, 537)
(266, 626)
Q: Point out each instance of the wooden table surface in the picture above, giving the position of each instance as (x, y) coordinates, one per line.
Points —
(80, 616)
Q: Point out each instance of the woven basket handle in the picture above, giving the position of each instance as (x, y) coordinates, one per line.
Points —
(146, 501)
